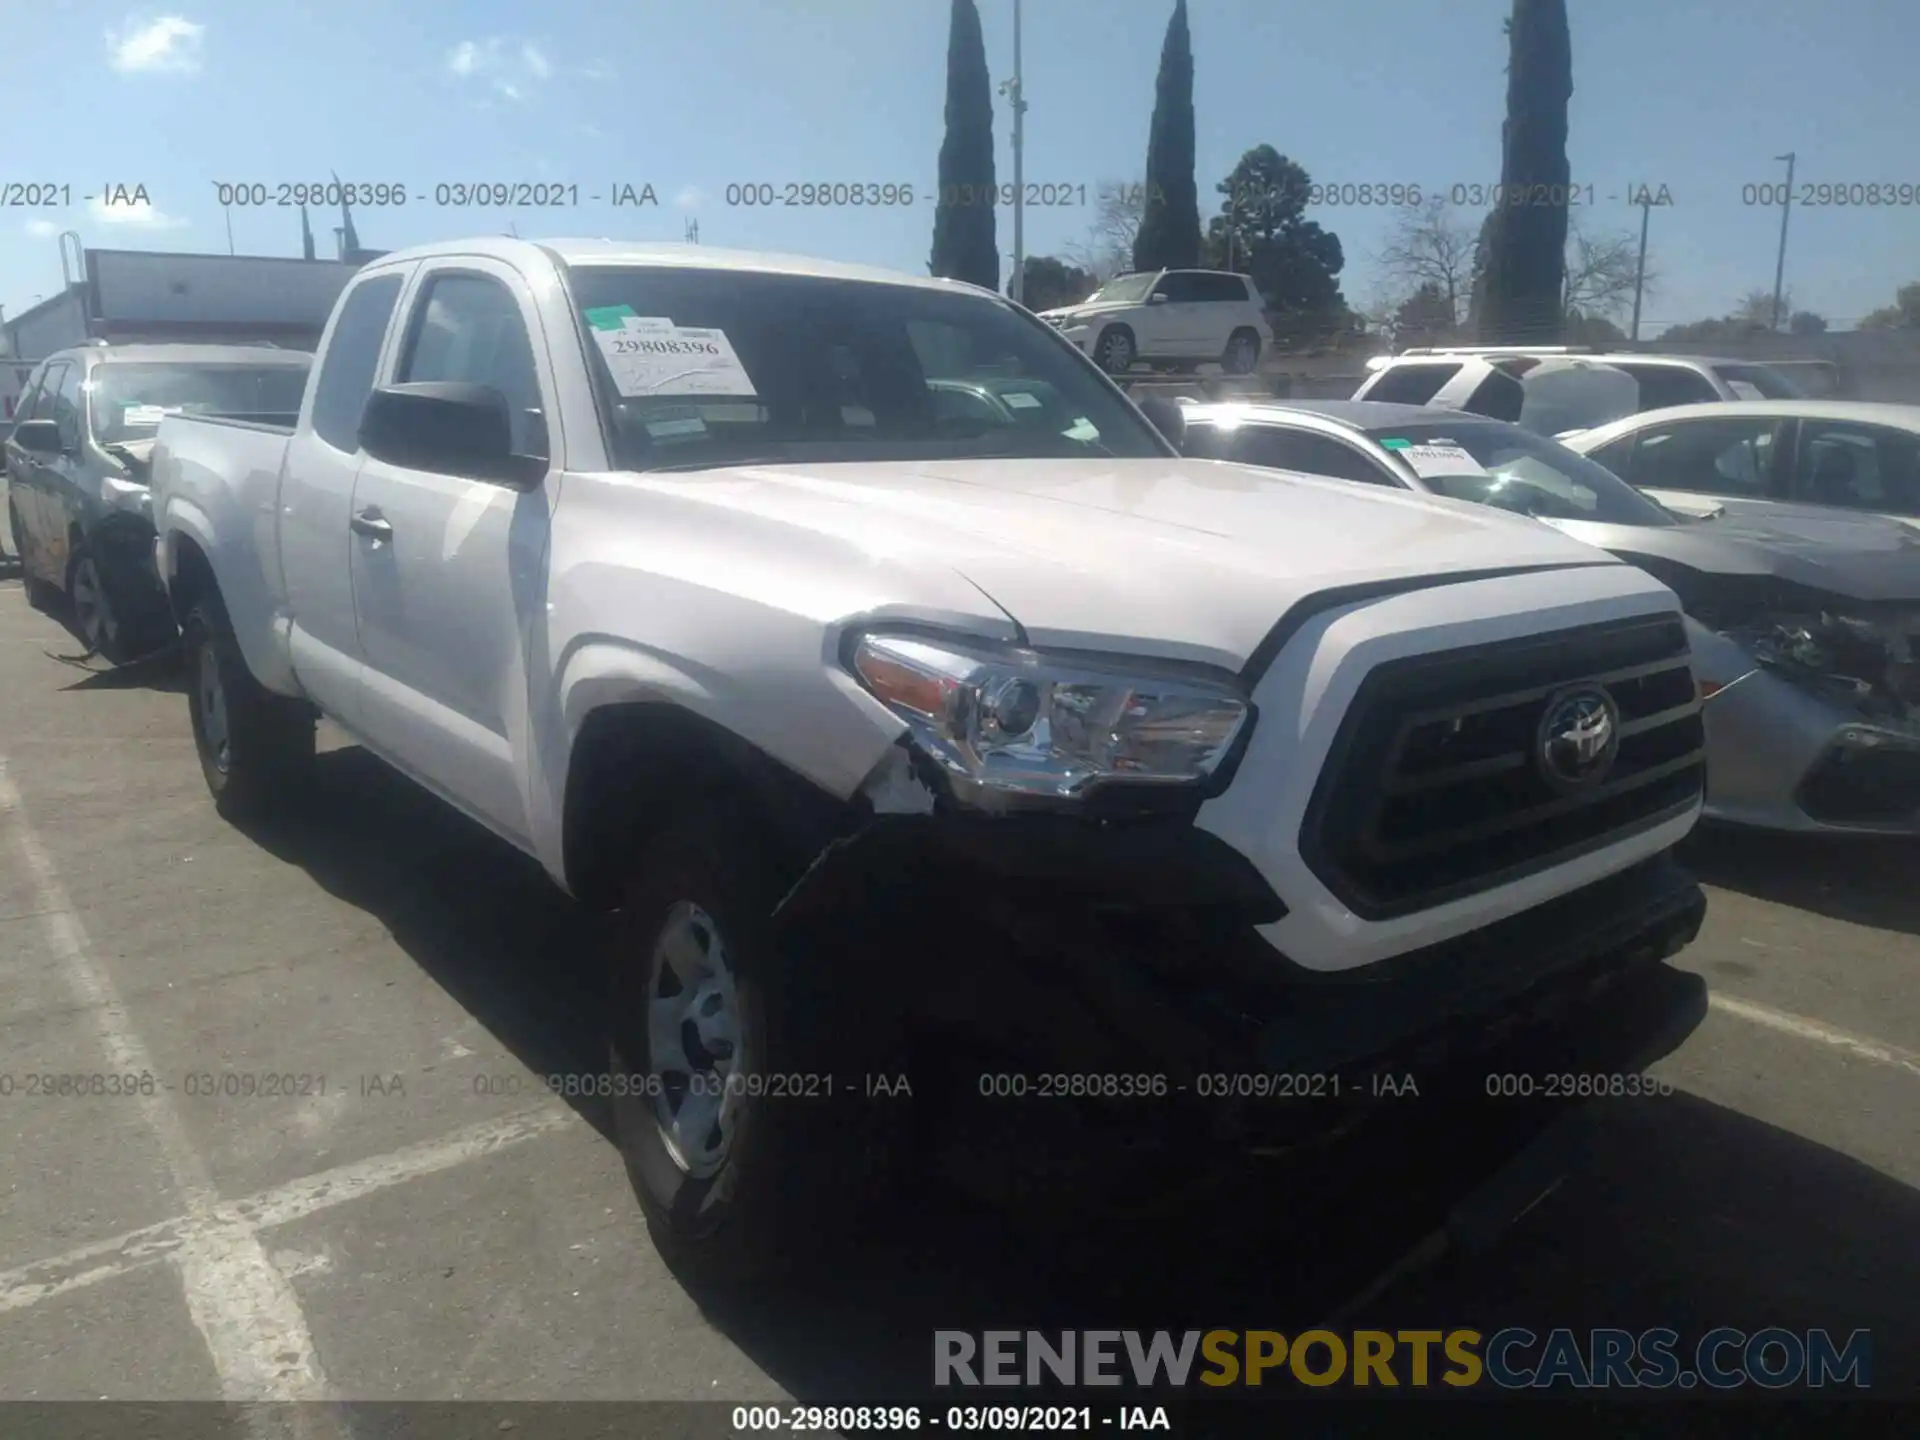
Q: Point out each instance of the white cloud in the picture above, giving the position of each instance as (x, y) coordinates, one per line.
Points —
(42, 229)
(597, 71)
(133, 214)
(691, 198)
(509, 70)
(168, 43)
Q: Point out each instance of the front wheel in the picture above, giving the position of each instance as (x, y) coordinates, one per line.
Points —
(1114, 352)
(737, 1079)
(255, 747)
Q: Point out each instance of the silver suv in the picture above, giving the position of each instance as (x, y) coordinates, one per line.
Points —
(76, 471)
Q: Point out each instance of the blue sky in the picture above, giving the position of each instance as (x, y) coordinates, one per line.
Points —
(692, 95)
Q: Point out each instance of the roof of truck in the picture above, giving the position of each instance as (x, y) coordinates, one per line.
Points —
(642, 252)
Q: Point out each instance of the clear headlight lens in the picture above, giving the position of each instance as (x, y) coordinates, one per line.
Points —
(1018, 722)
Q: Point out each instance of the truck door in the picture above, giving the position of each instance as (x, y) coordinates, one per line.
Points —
(446, 568)
(316, 493)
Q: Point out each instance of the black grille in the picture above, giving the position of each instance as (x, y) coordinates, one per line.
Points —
(1435, 788)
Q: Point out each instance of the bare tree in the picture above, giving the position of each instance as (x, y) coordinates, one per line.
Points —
(1430, 246)
(1601, 273)
(1108, 249)
(1756, 308)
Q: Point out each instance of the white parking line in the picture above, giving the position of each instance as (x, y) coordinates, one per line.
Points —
(1865, 1049)
(151, 1244)
(241, 1304)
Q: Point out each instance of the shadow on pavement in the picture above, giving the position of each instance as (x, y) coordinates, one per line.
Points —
(1687, 1215)
(1864, 880)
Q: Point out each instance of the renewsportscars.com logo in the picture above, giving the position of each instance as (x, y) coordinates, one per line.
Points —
(1510, 1359)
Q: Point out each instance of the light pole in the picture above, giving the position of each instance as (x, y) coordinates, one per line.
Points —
(1780, 266)
(1647, 202)
(1012, 89)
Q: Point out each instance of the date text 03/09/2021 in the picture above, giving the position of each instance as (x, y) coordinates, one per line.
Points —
(470, 194)
(961, 1419)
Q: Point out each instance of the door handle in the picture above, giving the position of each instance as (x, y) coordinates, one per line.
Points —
(370, 523)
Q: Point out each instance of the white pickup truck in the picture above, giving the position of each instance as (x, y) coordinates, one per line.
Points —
(906, 693)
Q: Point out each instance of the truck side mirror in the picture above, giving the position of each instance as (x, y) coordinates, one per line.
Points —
(448, 427)
(42, 437)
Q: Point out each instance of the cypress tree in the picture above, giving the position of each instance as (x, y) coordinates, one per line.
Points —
(964, 246)
(1527, 241)
(1169, 235)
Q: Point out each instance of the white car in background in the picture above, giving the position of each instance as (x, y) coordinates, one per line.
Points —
(1174, 318)
(1431, 376)
(1708, 459)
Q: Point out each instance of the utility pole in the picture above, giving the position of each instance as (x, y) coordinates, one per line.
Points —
(229, 210)
(1012, 88)
(1780, 266)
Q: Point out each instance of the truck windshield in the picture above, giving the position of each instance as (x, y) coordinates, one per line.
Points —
(1514, 469)
(702, 368)
(128, 399)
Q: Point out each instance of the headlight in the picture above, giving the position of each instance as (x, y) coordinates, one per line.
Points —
(1007, 723)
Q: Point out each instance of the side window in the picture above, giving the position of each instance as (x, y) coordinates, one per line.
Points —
(1221, 289)
(1711, 457)
(1412, 384)
(1664, 385)
(66, 409)
(1282, 449)
(1617, 457)
(30, 395)
(1181, 287)
(468, 328)
(1864, 467)
(353, 354)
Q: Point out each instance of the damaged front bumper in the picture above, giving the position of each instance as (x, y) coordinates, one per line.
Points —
(1048, 946)
(1794, 750)
(122, 543)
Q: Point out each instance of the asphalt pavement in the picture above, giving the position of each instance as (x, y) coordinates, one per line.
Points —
(348, 1182)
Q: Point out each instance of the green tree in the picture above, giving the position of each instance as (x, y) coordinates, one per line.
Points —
(1527, 250)
(1424, 317)
(1052, 282)
(964, 246)
(1169, 235)
(1806, 322)
(1262, 232)
(1903, 314)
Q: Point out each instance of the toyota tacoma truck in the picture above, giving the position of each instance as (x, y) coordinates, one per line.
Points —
(891, 730)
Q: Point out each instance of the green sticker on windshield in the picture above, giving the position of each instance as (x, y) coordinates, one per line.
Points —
(1396, 444)
(609, 317)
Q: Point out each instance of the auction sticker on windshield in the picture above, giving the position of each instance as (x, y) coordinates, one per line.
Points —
(132, 415)
(1439, 457)
(650, 355)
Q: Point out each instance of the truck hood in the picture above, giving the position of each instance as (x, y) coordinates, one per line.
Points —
(1844, 557)
(1191, 559)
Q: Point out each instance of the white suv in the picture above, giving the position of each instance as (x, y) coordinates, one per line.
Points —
(1177, 318)
(1449, 377)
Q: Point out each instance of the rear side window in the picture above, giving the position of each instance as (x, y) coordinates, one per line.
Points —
(1764, 383)
(1664, 385)
(1222, 289)
(1182, 287)
(1863, 467)
(353, 354)
(1412, 384)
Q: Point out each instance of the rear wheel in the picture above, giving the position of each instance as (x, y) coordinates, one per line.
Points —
(255, 747)
(93, 612)
(1242, 354)
(736, 1080)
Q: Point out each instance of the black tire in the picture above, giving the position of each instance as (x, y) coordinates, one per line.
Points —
(801, 1167)
(1242, 355)
(265, 761)
(1113, 352)
(93, 608)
